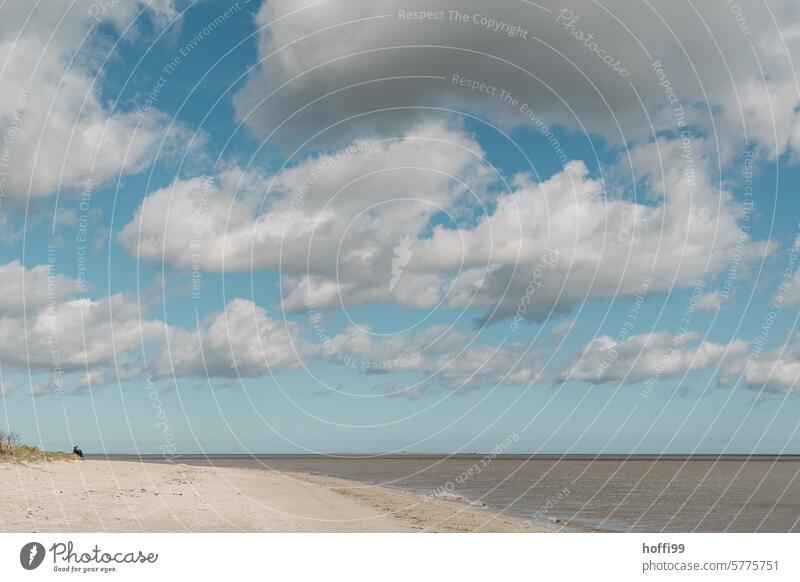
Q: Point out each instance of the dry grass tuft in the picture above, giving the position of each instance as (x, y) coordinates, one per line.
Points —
(12, 451)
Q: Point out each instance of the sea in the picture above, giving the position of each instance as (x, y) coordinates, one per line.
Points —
(612, 493)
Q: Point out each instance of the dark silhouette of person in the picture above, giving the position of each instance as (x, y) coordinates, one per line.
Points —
(76, 450)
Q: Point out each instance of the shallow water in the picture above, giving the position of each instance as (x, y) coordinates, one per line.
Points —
(733, 494)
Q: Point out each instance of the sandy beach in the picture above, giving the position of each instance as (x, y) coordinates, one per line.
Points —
(122, 496)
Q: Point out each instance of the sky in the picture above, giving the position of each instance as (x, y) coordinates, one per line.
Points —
(335, 226)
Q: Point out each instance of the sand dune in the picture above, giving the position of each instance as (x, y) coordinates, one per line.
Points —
(120, 496)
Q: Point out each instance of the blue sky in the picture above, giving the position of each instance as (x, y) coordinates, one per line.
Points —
(299, 232)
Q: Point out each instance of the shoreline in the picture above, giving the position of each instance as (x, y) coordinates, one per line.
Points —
(469, 509)
(613, 457)
(141, 496)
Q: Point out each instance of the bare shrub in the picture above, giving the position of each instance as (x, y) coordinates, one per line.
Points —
(8, 441)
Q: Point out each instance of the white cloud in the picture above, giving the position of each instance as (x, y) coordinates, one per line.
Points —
(46, 329)
(331, 224)
(332, 227)
(71, 335)
(57, 132)
(710, 301)
(456, 358)
(77, 342)
(600, 247)
(658, 355)
(30, 290)
(775, 371)
(566, 240)
(436, 354)
(241, 340)
(323, 63)
(335, 216)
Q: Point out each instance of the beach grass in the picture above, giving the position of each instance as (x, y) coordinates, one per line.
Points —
(29, 454)
(13, 451)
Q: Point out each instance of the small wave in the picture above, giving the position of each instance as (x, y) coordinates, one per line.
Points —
(447, 496)
(574, 525)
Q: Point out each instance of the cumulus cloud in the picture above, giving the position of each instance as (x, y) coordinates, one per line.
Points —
(567, 239)
(241, 340)
(457, 359)
(56, 333)
(656, 355)
(335, 67)
(710, 301)
(330, 224)
(24, 289)
(366, 195)
(408, 212)
(57, 132)
(74, 334)
(387, 223)
(437, 354)
(77, 342)
(771, 371)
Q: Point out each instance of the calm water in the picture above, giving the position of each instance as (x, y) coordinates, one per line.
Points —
(732, 494)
